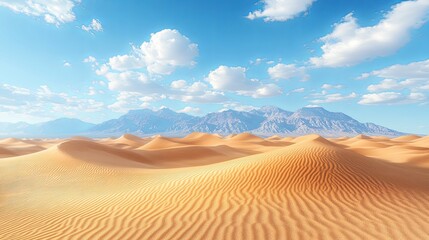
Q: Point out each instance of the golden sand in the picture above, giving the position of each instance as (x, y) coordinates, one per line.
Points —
(204, 186)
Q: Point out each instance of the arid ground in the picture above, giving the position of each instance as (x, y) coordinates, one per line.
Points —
(205, 186)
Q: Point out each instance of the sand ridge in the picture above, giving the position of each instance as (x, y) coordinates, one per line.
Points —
(206, 186)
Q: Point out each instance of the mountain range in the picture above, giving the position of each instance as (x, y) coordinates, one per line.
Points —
(264, 121)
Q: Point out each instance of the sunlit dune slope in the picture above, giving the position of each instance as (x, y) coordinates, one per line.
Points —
(311, 188)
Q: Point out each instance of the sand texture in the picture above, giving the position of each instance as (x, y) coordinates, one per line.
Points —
(206, 186)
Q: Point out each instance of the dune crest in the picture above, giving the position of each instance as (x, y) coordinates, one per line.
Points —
(246, 137)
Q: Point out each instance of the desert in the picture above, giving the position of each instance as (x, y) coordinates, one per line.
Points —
(207, 186)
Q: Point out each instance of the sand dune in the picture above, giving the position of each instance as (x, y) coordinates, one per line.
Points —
(160, 142)
(16, 147)
(274, 138)
(202, 139)
(98, 154)
(203, 186)
(406, 138)
(4, 152)
(246, 137)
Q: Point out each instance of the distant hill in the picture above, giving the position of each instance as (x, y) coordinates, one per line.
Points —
(265, 121)
(62, 127)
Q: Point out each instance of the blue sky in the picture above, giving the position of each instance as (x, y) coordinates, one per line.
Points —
(95, 60)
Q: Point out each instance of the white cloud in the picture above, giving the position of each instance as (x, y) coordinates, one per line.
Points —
(280, 10)
(179, 84)
(336, 97)
(350, 44)
(6, 88)
(413, 77)
(92, 91)
(53, 11)
(43, 102)
(230, 79)
(298, 90)
(234, 79)
(386, 84)
(189, 109)
(312, 106)
(329, 86)
(266, 90)
(391, 98)
(165, 51)
(126, 62)
(103, 70)
(398, 71)
(66, 64)
(237, 107)
(90, 59)
(94, 26)
(93, 61)
(126, 101)
(287, 71)
(194, 88)
(197, 92)
(257, 61)
(206, 97)
(197, 87)
(132, 82)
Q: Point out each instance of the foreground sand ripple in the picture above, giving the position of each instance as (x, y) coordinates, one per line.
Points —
(302, 188)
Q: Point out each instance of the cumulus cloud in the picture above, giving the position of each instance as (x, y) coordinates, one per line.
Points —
(350, 44)
(132, 82)
(168, 49)
(336, 97)
(230, 79)
(234, 79)
(126, 101)
(91, 60)
(52, 11)
(280, 10)
(161, 55)
(102, 70)
(413, 76)
(409, 80)
(391, 98)
(265, 90)
(94, 26)
(126, 62)
(189, 109)
(197, 92)
(179, 84)
(287, 71)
